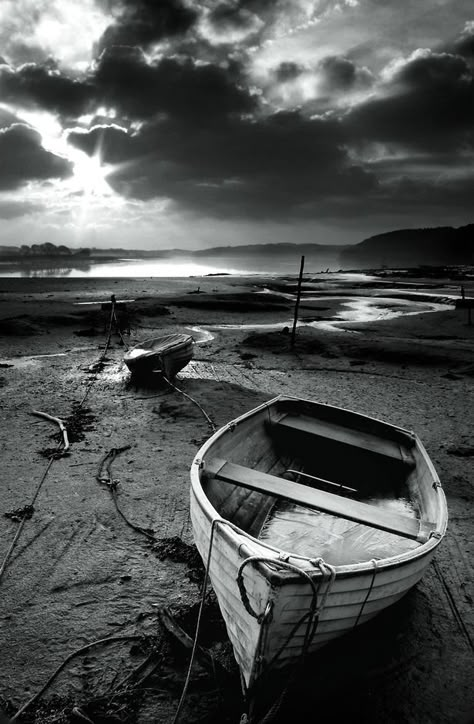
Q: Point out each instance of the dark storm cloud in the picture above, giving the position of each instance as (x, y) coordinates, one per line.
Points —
(279, 165)
(24, 159)
(146, 22)
(126, 81)
(288, 71)
(342, 74)
(231, 20)
(464, 46)
(428, 104)
(45, 87)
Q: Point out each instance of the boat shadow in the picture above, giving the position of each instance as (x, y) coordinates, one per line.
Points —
(372, 674)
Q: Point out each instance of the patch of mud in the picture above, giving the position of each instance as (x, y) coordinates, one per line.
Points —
(280, 342)
(398, 354)
(151, 310)
(246, 302)
(175, 549)
(17, 327)
(80, 421)
(466, 451)
(20, 513)
(89, 332)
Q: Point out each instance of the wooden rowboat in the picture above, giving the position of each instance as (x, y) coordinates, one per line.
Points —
(167, 355)
(311, 519)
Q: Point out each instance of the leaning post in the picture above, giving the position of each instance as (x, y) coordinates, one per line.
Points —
(297, 303)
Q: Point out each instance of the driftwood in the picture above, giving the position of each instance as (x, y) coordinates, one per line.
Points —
(59, 422)
(204, 658)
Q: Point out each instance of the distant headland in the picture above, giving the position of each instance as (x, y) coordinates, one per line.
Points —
(404, 248)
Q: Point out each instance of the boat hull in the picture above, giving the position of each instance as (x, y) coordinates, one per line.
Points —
(272, 601)
(166, 355)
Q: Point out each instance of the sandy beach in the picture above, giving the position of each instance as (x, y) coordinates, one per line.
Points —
(78, 573)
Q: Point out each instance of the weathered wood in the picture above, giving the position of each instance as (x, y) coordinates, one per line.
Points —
(338, 433)
(321, 500)
(297, 303)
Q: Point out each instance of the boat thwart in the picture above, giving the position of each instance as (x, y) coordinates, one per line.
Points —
(313, 519)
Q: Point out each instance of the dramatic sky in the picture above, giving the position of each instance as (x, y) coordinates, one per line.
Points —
(179, 123)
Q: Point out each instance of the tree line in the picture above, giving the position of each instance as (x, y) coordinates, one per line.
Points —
(48, 249)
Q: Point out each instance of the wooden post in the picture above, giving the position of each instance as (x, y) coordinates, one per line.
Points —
(297, 303)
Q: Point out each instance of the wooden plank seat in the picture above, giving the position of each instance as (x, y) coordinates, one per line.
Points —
(347, 508)
(340, 434)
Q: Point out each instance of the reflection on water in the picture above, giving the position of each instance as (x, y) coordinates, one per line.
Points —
(40, 269)
(179, 266)
(354, 309)
(311, 533)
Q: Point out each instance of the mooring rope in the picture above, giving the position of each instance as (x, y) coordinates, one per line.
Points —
(369, 591)
(108, 639)
(104, 477)
(215, 522)
(27, 510)
(62, 448)
(453, 605)
(98, 364)
(195, 402)
(311, 618)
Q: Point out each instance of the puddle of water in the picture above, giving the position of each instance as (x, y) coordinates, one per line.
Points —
(314, 533)
(203, 334)
(354, 309)
(25, 360)
(104, 301)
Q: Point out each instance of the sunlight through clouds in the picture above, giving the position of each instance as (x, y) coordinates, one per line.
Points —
(64, 29)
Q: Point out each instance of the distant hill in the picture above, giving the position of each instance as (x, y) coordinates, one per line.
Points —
(285, 249)
(437, 246)
(440, 246)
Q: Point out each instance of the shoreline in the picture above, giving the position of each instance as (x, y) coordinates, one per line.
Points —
(79, 573)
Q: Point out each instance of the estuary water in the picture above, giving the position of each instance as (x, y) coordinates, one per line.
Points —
(179, 266)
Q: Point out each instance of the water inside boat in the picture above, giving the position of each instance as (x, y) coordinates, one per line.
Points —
(313, 533)
(316, 481)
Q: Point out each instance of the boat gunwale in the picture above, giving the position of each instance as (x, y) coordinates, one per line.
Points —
(254, 546)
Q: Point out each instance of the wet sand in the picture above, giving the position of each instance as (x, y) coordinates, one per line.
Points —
(79, 573)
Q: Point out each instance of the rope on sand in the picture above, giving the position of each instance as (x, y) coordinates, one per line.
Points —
(27, 510)
(104, 477)
(195, 402)
(453, 605)
(97, 366)
(63, 446)
(108, 639)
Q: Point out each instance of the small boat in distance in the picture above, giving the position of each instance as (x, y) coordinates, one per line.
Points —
(311, 519)
(167, 355)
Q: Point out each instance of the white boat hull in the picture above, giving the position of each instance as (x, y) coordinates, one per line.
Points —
(279, 593)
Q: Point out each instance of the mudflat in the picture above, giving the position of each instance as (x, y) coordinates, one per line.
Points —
(106, 552)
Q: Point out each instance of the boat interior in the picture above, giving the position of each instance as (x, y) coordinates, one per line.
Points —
(312, 478)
